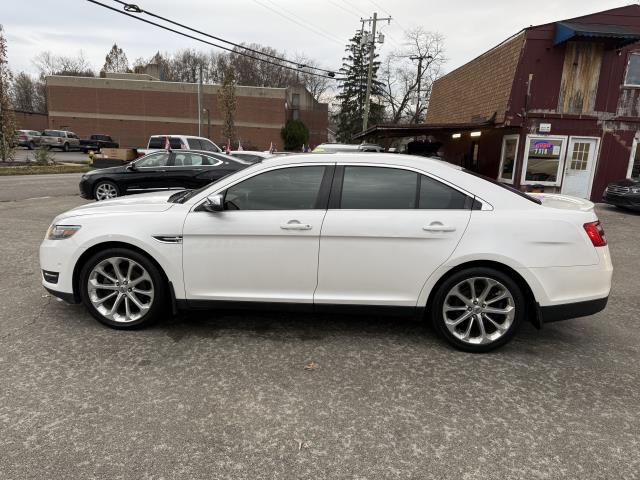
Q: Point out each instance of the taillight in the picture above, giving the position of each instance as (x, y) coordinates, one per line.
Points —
(23, 137)
(596, 233)
(59, 140)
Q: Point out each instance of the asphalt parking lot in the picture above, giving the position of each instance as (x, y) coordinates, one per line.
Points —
(227, 395)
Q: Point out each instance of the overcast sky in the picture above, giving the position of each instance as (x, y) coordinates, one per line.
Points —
(323, 26)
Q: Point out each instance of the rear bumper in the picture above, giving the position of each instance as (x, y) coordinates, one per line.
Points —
(566, 311)
(67, 297)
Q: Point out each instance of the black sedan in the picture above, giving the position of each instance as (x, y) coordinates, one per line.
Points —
(623, 193)
(158, 171)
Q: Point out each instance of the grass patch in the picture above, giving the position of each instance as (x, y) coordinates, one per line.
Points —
(42, 169)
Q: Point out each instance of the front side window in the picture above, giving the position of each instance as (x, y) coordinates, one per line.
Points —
(543, 160)
(378, 188)
(194, 144)
(293, 188)
(632, 76)
(208, 146)
(160, 159)
(508, 158)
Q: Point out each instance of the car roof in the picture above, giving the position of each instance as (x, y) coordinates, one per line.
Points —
(250, 152)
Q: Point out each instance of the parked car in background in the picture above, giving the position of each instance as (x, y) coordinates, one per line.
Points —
(96, 142)
(157, 171)
(358, 232)
(624, 193)
(346, 148)
(250, 156)
(28, 138)
(62, 139)
(179, 142)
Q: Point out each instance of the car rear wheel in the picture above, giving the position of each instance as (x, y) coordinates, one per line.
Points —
(123, 289)
(478, 309)
(105, 190)
(31, 145)
(65, 147)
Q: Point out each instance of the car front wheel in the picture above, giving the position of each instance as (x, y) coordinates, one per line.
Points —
(105, 190)
(478, 309)
(123, 289)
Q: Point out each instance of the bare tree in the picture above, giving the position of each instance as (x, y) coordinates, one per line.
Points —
(50, 64)
(116, 61)
(318, 86)
(414, 67)
(7, 119)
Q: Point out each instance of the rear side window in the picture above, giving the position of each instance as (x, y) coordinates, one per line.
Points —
(435, 195)
(208, 146)
(294, 188)
(378, 188)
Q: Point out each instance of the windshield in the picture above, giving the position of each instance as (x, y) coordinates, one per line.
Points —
(506, 187)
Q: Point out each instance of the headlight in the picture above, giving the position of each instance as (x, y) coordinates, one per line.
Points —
(635, 189)
(60, 232)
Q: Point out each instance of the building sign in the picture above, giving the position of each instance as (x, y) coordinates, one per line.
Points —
(543, 148)
(544, 128)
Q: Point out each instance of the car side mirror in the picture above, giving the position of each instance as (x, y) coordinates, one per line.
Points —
(214, 203)
(132, 167)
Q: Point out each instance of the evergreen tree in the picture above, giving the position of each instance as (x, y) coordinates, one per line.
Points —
(353, 90)
(7, 119)
(116, 61)
(228, 104)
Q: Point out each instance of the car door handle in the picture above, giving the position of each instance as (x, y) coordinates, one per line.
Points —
(438, 227)
(295, 225)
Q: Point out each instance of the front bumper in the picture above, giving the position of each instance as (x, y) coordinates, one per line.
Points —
(628, 200)
(86, 188)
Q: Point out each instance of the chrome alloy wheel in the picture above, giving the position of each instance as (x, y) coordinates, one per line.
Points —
(478, 310)
(105, 191)
(120, 289)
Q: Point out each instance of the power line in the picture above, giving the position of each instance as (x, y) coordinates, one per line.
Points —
(164, 27)
(344, 8)
(136, 9)
(291, 18)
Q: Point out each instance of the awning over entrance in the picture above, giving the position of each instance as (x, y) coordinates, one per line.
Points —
(614, 35)
(399, 131)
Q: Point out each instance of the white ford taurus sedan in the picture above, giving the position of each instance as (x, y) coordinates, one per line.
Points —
(353, 231)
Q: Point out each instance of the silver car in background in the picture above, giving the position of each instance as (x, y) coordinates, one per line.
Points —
(62, 139)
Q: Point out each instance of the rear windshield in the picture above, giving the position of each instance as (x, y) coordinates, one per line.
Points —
(506, 187)
(158, 142)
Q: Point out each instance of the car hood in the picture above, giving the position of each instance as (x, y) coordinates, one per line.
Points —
(141, 203)
(627, 182)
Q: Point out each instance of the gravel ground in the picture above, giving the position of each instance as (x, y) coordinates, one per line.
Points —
(226, 395)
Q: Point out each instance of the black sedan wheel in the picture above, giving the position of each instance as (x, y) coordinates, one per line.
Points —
(104, 190)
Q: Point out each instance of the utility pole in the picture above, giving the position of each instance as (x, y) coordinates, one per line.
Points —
(372, 51)
(420, 58)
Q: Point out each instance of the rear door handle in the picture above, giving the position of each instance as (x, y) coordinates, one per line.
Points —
(438, 227)
(295, 225)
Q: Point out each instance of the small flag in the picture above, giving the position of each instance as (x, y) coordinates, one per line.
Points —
(272, 149)
(228, 147)
(239, 146)
(167, 143)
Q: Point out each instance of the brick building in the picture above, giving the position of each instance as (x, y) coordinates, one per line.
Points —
(556, 106)
(131, 107)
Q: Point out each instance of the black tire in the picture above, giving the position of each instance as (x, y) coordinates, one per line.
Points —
(106, 182)
(438, 316)
(65, 147)
(31, 145)
(159, 306)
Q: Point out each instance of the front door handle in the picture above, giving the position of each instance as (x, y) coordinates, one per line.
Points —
(295, 225)
(438, 227)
